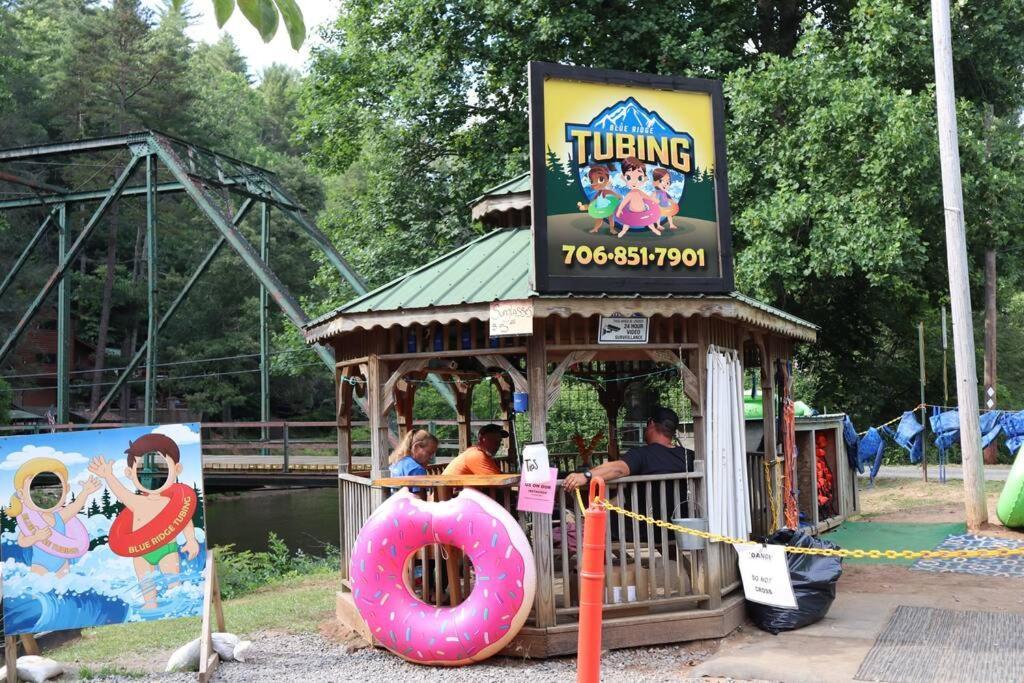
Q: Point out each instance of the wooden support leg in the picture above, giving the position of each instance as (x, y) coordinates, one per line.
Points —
(11, 658)
(208, 658)
(29, 644)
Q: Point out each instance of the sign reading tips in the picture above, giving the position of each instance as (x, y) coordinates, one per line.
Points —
(765, 574)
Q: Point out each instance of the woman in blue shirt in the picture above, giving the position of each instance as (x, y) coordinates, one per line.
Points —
(412, 454)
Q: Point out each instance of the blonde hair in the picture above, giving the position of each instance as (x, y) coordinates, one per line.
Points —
(411, 438)
(28, 470)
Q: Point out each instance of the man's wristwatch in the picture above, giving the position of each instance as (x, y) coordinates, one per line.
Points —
(588, 475)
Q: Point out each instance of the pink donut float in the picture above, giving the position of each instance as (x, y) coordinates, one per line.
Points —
(71, 544)
(486, 621)
(651, 214)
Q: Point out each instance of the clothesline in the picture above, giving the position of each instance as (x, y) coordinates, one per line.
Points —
(941, 407)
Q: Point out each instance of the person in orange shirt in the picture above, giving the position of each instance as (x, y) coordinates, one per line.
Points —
(479, 459)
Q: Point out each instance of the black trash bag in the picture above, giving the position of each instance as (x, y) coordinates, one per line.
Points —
(814, 580)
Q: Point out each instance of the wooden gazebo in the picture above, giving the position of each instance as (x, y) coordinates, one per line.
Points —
(435, 321)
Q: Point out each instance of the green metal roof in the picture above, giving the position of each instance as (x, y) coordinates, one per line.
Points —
(494, 267)
(515, 185)
(490, 268)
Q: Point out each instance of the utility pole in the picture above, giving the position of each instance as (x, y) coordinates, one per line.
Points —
(956, 258)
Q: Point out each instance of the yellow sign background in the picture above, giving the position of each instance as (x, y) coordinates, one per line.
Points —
(567, 101)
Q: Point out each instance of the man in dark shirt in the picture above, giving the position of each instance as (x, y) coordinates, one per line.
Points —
(658, 455)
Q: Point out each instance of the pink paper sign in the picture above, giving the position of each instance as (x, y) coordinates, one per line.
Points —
(538, 497)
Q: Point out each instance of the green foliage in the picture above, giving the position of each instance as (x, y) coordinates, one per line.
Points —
(241, 572)
(263, 15)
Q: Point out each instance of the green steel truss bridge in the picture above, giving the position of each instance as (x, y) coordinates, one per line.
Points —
(224, 189)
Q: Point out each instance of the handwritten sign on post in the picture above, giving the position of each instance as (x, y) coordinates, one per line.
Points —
(538, 497)
(511, 318)
(765, 574)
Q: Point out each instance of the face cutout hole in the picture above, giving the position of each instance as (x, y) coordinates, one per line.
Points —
(46, 490)
(152, 471)
(427, 575)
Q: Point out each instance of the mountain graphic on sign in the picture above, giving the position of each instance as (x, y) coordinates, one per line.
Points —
(628, 116)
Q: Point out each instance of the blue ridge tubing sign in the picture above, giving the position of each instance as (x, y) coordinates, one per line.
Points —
(629, 189)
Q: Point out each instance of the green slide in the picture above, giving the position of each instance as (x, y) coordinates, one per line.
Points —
(1011, 501)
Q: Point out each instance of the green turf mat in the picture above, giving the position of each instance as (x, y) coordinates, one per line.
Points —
(889, 536)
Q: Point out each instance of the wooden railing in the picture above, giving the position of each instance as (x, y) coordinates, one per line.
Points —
(645, 570)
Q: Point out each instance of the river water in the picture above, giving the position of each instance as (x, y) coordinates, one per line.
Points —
(305, 519)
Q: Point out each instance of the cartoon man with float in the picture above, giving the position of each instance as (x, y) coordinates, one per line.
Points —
(153, 517)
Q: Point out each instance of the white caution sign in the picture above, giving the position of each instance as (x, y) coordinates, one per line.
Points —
(765, 574)
(622, 329)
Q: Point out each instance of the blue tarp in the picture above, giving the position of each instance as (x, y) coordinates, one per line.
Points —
(1013, 427)
(870, 450)
(908, 436)
(852, 440)
(946, 426)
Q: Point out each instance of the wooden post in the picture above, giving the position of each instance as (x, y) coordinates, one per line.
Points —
(378, 424)
(464, 410)
(610, 396)
(212, 608)
(924, 380)
(771, 449)
(991, 346)
(956, 259)
(344, 418)
(536, 371)
(11, 658)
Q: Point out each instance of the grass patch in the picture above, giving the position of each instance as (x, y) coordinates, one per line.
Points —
(297, 606)
(893, 495)
(87, 674)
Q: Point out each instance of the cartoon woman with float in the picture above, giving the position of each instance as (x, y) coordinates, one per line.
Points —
(667, 206)
(637, 209)
(147, 529)
(605, 199)
(51, 529)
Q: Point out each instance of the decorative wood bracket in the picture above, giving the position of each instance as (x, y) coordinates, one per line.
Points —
(554, 381)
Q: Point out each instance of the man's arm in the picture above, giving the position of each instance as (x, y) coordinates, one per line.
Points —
(191, 544)
(104, 469)
(613, 469)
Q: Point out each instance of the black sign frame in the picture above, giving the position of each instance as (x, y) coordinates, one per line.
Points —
(541, 278)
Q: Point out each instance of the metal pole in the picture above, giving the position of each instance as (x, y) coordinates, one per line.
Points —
(945, 361)
(69, 257)
(264, 331)
(956, 257)
(151, 275)
(924, 423)
(27, 251)
(64, 336)
(991, 354)
(168, 314)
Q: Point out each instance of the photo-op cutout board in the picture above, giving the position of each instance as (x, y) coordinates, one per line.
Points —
(104, 526)
(629, 190)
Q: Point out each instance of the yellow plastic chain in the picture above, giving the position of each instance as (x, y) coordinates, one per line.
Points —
(839, 552)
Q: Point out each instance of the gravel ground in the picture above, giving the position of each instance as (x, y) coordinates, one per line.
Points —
(277, 657)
